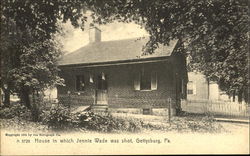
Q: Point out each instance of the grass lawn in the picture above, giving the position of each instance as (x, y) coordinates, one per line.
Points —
(187, 134)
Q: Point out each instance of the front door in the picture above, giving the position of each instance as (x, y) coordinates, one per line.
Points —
(102, 88)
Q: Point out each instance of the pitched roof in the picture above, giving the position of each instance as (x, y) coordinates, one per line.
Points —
(119, 50)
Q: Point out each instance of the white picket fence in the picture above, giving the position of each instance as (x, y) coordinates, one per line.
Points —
(216, 107)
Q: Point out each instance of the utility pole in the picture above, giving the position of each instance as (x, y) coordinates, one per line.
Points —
(248, 62)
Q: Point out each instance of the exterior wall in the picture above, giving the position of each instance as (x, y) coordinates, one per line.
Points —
(214, 91)
(121, 92)
(154, 111)
(205, 90)
(224, 97)
(200, 86)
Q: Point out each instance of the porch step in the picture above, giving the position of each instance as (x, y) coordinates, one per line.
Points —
(81, 109)
(99, 108)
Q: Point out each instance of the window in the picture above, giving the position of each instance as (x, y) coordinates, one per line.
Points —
(80, 83)
(146, 111)
(145, 80)
(190, 91)
(191, 87)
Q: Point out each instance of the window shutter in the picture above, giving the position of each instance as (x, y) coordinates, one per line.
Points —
(91, 80)
(153, 81)
(182, 87)
(137, 81)
(194, 88)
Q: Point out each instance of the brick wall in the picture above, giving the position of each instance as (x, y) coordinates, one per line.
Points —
(121, 92)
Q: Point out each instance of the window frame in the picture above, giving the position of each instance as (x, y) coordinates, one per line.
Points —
(153, 80)
(193, 89)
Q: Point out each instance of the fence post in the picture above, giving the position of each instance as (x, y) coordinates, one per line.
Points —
(169, 110)
(69, 99)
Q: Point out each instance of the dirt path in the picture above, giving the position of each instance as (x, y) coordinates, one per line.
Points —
(236, 128)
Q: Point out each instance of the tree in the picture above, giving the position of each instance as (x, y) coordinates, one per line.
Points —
(213, 32)
(28, 55)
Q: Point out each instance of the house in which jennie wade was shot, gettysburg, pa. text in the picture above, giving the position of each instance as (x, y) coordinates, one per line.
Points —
(114, 76)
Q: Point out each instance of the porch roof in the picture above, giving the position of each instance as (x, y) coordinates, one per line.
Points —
(111, 51)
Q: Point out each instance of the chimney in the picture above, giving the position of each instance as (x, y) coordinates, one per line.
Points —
(94, 34)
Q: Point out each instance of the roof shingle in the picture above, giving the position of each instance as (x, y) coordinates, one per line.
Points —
(119, 50)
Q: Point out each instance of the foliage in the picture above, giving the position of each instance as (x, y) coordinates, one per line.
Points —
(58, 118)
(105, 122)
(15, 110)
(61, 119)
(28, 52)
(214, 33)
(179, 124)
(20, 111)
(37, 69)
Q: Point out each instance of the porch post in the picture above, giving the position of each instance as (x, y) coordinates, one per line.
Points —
(94, 96)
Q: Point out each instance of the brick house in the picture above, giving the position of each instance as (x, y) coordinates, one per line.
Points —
(113, 75)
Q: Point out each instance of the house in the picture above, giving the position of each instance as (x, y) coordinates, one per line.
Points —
(200, 88)
(113, 75)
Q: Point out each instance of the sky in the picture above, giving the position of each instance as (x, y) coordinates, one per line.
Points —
(113, 31)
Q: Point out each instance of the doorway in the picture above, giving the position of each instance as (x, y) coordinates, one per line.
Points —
(102, 90)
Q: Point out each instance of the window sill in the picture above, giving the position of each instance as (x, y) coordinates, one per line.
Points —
(145, 90)
(79, 92)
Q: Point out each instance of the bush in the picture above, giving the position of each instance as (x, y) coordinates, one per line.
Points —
(131, 124)
(15, 110)
(104, 122)
(58, 118)
(38, 106)
(98, 122)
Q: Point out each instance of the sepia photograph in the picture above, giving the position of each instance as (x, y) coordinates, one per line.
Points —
(124, 77)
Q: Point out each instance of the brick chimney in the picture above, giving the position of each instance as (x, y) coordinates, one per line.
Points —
(94, 34)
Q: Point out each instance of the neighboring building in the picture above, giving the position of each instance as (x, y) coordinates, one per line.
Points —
(50, 93)
(113, 75)
(199, 88)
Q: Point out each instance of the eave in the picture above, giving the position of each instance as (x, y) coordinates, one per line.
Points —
(120, 62)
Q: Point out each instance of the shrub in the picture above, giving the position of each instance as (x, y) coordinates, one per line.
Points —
(105, 122)
(98, 122)
(131, 124)
(58, 118)
(15, 110)
(7, 113)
